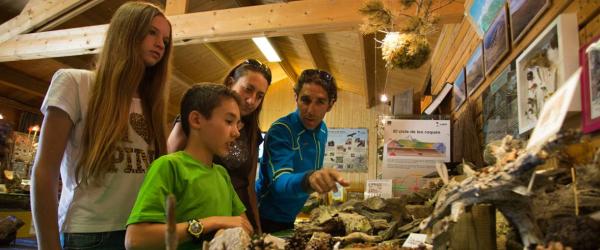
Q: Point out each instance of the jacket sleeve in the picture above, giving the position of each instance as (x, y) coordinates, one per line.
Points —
(280, 149)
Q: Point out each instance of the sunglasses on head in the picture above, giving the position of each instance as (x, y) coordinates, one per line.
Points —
(323, 75)
(263, 68)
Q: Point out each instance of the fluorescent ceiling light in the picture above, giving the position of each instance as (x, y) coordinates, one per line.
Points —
(266, 48)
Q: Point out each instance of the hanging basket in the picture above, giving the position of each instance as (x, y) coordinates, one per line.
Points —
(405, 51)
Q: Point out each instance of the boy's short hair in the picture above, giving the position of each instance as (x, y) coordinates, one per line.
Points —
(204, 98)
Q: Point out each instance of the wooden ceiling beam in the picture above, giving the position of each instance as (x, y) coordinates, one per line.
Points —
(21, 81)
(316, 54)
(176, 7)
(368, 62)
(35, 14)
(220, 54)
(7, 102)
(68, 16)
(283, 19)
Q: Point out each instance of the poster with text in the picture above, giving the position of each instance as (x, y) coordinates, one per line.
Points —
(427, 140)
(346, 149)
(411, 149)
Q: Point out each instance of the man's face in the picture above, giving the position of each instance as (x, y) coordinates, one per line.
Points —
(313, 103)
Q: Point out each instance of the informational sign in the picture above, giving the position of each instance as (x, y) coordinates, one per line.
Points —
(427, 140)
(380, 188)
(411, 150)
(415, 240)
(346, 149)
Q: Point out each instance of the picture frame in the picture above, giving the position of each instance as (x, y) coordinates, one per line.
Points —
(589, 59)
(459, 90)
(523, 15)
(474, 70)
(500, 106)
(496, 42)
(480, 13)
(545, 66)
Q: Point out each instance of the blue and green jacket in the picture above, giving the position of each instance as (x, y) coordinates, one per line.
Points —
(290, 152)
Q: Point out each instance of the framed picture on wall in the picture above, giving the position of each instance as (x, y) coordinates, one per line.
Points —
(459, 91)
(474, 70)
(523, 15)
(544, 66)
(481, 13)
(500, 106)
(589, 58)
(496, 44)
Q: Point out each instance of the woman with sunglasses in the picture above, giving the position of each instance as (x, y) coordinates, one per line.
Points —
(250, 79)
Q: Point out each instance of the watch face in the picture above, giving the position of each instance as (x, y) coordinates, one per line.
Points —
(195, 227)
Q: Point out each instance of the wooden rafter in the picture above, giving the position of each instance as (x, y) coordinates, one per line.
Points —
(220, 54)
(7, 102)
(21, 81)
(68, 15)
(368, 62)
(35, 14)
(284, 64)
(317, 57)
(230, 24)
(176, 7)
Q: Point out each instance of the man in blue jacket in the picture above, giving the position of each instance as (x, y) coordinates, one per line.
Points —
(290, 168)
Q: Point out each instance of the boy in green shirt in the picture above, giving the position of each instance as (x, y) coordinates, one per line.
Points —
(206, 200)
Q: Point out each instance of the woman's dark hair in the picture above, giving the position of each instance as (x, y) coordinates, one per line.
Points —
(251, 125)
(320, 77)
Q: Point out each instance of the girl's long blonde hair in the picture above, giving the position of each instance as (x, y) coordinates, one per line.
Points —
(120, 72)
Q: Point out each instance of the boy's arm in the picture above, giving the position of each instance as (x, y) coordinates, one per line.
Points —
(152, 235)
(280, 149)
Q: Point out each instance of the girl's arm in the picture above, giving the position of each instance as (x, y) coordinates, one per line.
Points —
(54, 135)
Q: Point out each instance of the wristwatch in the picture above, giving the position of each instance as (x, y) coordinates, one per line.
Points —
(195, 228)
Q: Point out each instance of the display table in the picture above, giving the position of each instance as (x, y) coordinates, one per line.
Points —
(17, 205)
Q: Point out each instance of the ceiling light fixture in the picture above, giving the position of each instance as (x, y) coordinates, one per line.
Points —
(266, 48)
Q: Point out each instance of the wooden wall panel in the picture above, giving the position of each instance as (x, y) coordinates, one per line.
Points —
(453, 54)
(467, 40)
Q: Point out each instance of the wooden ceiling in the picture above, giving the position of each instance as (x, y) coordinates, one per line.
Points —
(315, 36)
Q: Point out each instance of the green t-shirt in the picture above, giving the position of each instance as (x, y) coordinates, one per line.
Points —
(200, 191)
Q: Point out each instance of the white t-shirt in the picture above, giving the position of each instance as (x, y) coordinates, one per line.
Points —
(97, 208)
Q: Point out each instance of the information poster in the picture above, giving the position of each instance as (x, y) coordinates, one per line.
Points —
(411, 149)
(346, 149)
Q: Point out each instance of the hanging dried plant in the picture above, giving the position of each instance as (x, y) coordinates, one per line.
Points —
(377, 17)
(407, 3)
(405, 51)
(420, 25)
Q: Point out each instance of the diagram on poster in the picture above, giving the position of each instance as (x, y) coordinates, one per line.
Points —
(417, 140)
(346, 149)
(411, 149)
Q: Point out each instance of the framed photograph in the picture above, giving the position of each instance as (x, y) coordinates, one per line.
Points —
(524, 14)
(500, 106)
(481, 13)
(544, 66)
(459, 91)
(589, 58)
(496, 43)
(474, 70)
